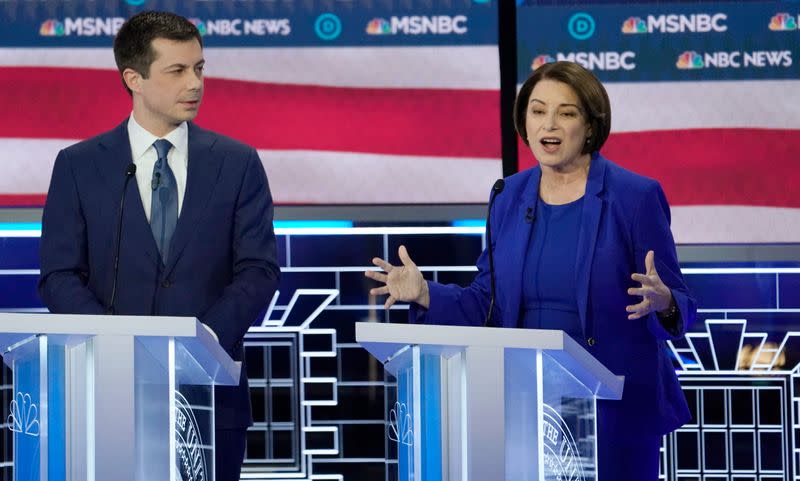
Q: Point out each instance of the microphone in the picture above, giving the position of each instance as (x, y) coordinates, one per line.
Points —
(130, 171)
(497, 188)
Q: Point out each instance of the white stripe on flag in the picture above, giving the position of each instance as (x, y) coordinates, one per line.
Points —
(724, 224)
(304, 176)
(465, 67)
(642, 106)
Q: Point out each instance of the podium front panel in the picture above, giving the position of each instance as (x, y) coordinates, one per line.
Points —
(30, 443)
(523, 388)
(194, 418)
(153, 456)
(38, 410)
(537, 422)
(568, 417)
(415, 430)
(174, 413)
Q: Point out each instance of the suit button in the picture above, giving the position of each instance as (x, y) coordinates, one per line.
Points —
(591, 341)
(166, 283)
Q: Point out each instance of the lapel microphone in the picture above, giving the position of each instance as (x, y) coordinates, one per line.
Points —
(130, 171)
(497, 188)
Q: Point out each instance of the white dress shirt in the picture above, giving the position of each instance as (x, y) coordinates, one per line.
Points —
(145, 157)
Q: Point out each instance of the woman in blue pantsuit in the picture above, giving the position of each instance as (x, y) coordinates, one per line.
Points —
(583, 245)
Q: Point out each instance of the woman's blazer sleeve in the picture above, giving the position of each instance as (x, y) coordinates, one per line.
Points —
(651, 231)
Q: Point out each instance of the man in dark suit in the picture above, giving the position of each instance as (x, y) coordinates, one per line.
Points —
(197, 237)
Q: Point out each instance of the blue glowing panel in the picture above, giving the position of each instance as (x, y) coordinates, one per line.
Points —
(19, 252)
(334, 250)
(438, 249)
(19, 291)
(734, 291)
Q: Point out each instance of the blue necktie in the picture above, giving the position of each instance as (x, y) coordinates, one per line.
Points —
(164, 206)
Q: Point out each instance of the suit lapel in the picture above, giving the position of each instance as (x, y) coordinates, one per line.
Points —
(587, 237)
(202, 173)
(520, 237)
(115, 156)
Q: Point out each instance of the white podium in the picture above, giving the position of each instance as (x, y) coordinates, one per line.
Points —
(118, 398)
(483, 404)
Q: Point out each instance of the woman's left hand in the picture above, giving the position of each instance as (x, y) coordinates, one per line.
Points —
(656, 296)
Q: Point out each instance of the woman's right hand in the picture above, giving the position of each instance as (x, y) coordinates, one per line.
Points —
(402, 283)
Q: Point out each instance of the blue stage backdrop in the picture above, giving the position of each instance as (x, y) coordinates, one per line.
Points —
(312, 384)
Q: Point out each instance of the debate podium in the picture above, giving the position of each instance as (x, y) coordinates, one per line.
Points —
(118, 398)
(484, 403)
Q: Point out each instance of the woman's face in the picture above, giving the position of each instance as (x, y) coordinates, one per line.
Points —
(556, 126)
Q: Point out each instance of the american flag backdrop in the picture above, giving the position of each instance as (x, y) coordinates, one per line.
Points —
(704, 98)
(346, 103)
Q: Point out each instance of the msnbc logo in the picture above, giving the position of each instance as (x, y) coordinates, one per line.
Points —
(379, 26)
(782, 22)
(689, 60)
(541, 60)
(51, 28)
(634, 25)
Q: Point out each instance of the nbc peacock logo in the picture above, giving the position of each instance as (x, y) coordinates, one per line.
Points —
(379, 26)
(401, 425)
(201, 26)
(24, 417)
(541, 60)
(634, 25)
(689, 60)
(782, 22)
(51, 28)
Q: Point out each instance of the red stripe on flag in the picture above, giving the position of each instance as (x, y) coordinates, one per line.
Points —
(79, 103)
(755, 167)
(22, 200)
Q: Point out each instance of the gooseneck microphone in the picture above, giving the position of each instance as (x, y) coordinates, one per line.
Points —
(497, 188)
(130, 171)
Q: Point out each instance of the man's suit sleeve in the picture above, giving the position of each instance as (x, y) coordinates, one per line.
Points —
(64, 264)
(652, 232)
(255, 260)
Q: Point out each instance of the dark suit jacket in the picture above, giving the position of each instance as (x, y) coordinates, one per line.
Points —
(624, 216)
(222, 266)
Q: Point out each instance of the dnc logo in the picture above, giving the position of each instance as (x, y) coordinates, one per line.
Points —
(634, 25)
(690, 60)
(328, 26)
(581, 26)
(541, 60)
(782, 22)
(52, 28)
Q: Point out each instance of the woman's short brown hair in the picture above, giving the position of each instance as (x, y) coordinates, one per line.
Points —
(591, 94)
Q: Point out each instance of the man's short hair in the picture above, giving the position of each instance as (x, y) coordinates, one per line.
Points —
(133, 45)
(591, 94)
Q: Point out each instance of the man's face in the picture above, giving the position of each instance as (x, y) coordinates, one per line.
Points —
(172, 92)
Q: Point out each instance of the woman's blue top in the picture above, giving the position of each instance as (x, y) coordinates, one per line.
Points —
(548, 292)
